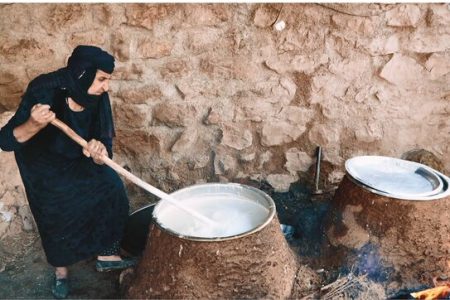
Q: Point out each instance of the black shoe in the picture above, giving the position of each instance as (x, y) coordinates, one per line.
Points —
(106, 266)
(60, 288)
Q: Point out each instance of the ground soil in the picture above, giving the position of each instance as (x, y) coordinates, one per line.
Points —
(25, 273)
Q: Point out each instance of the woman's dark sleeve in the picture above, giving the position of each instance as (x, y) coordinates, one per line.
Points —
(8, 141)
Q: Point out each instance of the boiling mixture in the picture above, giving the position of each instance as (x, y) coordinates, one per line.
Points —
(233, 215)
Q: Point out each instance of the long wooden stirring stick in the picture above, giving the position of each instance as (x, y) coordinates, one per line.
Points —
(136, 180)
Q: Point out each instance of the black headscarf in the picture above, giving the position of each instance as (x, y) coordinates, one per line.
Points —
(83, 65)
(77, 77)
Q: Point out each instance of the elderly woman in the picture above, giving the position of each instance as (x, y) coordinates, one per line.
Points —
(80, 206)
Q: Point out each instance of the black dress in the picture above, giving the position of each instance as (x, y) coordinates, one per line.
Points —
(80, 207)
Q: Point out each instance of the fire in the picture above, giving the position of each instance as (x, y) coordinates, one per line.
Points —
(438, 292)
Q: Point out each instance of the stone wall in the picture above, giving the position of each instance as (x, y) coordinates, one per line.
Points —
(219, 93)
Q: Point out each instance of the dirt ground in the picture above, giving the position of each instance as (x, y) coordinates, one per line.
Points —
(24, 272)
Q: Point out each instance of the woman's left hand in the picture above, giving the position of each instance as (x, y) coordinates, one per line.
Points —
(96, 150)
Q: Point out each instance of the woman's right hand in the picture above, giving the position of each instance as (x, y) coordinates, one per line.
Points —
(41, 115)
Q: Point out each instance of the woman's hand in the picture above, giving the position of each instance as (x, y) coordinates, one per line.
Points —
(96, 150)
(41, 115)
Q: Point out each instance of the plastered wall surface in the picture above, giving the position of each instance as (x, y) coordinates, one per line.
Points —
(230, 92)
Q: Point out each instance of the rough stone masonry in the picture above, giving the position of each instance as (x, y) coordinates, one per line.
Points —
(214, 92)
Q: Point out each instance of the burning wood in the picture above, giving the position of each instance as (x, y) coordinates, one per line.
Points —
(438, 292)
(350, 287)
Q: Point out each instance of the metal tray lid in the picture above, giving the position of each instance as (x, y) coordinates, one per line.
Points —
(395, 176)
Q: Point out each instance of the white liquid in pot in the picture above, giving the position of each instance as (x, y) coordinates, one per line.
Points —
(234, 216)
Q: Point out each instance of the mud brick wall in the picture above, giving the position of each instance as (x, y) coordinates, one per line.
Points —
(217, 93)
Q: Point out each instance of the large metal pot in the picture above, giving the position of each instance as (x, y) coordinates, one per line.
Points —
(227, 191)
(256, 263)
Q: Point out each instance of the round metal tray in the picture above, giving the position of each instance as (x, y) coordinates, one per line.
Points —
(445, 192)
(397, 177)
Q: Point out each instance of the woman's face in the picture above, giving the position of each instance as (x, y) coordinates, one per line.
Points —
(100, 83)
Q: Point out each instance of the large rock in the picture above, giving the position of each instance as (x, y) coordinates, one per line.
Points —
(370, 132)
(103, 14)
(438, 15)
(202, 40)
(296, 115)
(255, 109)
(175, 69)
(308, 63)
(327, 85)
(403, 16)
(12, 193)
(109, 15)
(247, 157)
(403, 71)
(198, 161)
(277, 133)
(186, 142)
(140, 95)
(353, 68)
(27, 218)
(153, 48)
(4, 118)
(281, 182)
(132, 72)
(23, 49)
(121, 43)
(66, 17)
(94, 38)
(360, 9)
(276, 89)
(224, 164)
(383, 46)
(237, 137)
(192, 87)
(17, 17)
(132, 143)
(266, 15)
(132, 116)
(438, 64)
(207, 14)
(328, 136)
(428, 41)
(7, 78)
(264, 158)
(286, 127)
(219, 114)
(146, 15)
(353, 26)
(220, 67)
(324, 134)
(297, 161)
(11, 90)
(175, 114)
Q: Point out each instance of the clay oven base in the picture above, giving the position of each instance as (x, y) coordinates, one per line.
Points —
(410, 238)
(259, 265)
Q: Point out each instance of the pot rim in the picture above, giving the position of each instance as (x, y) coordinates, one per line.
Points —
(271, 208)
(443, 194)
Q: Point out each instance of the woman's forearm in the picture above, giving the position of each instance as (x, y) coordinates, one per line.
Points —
(26, 131)
(40, 116)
